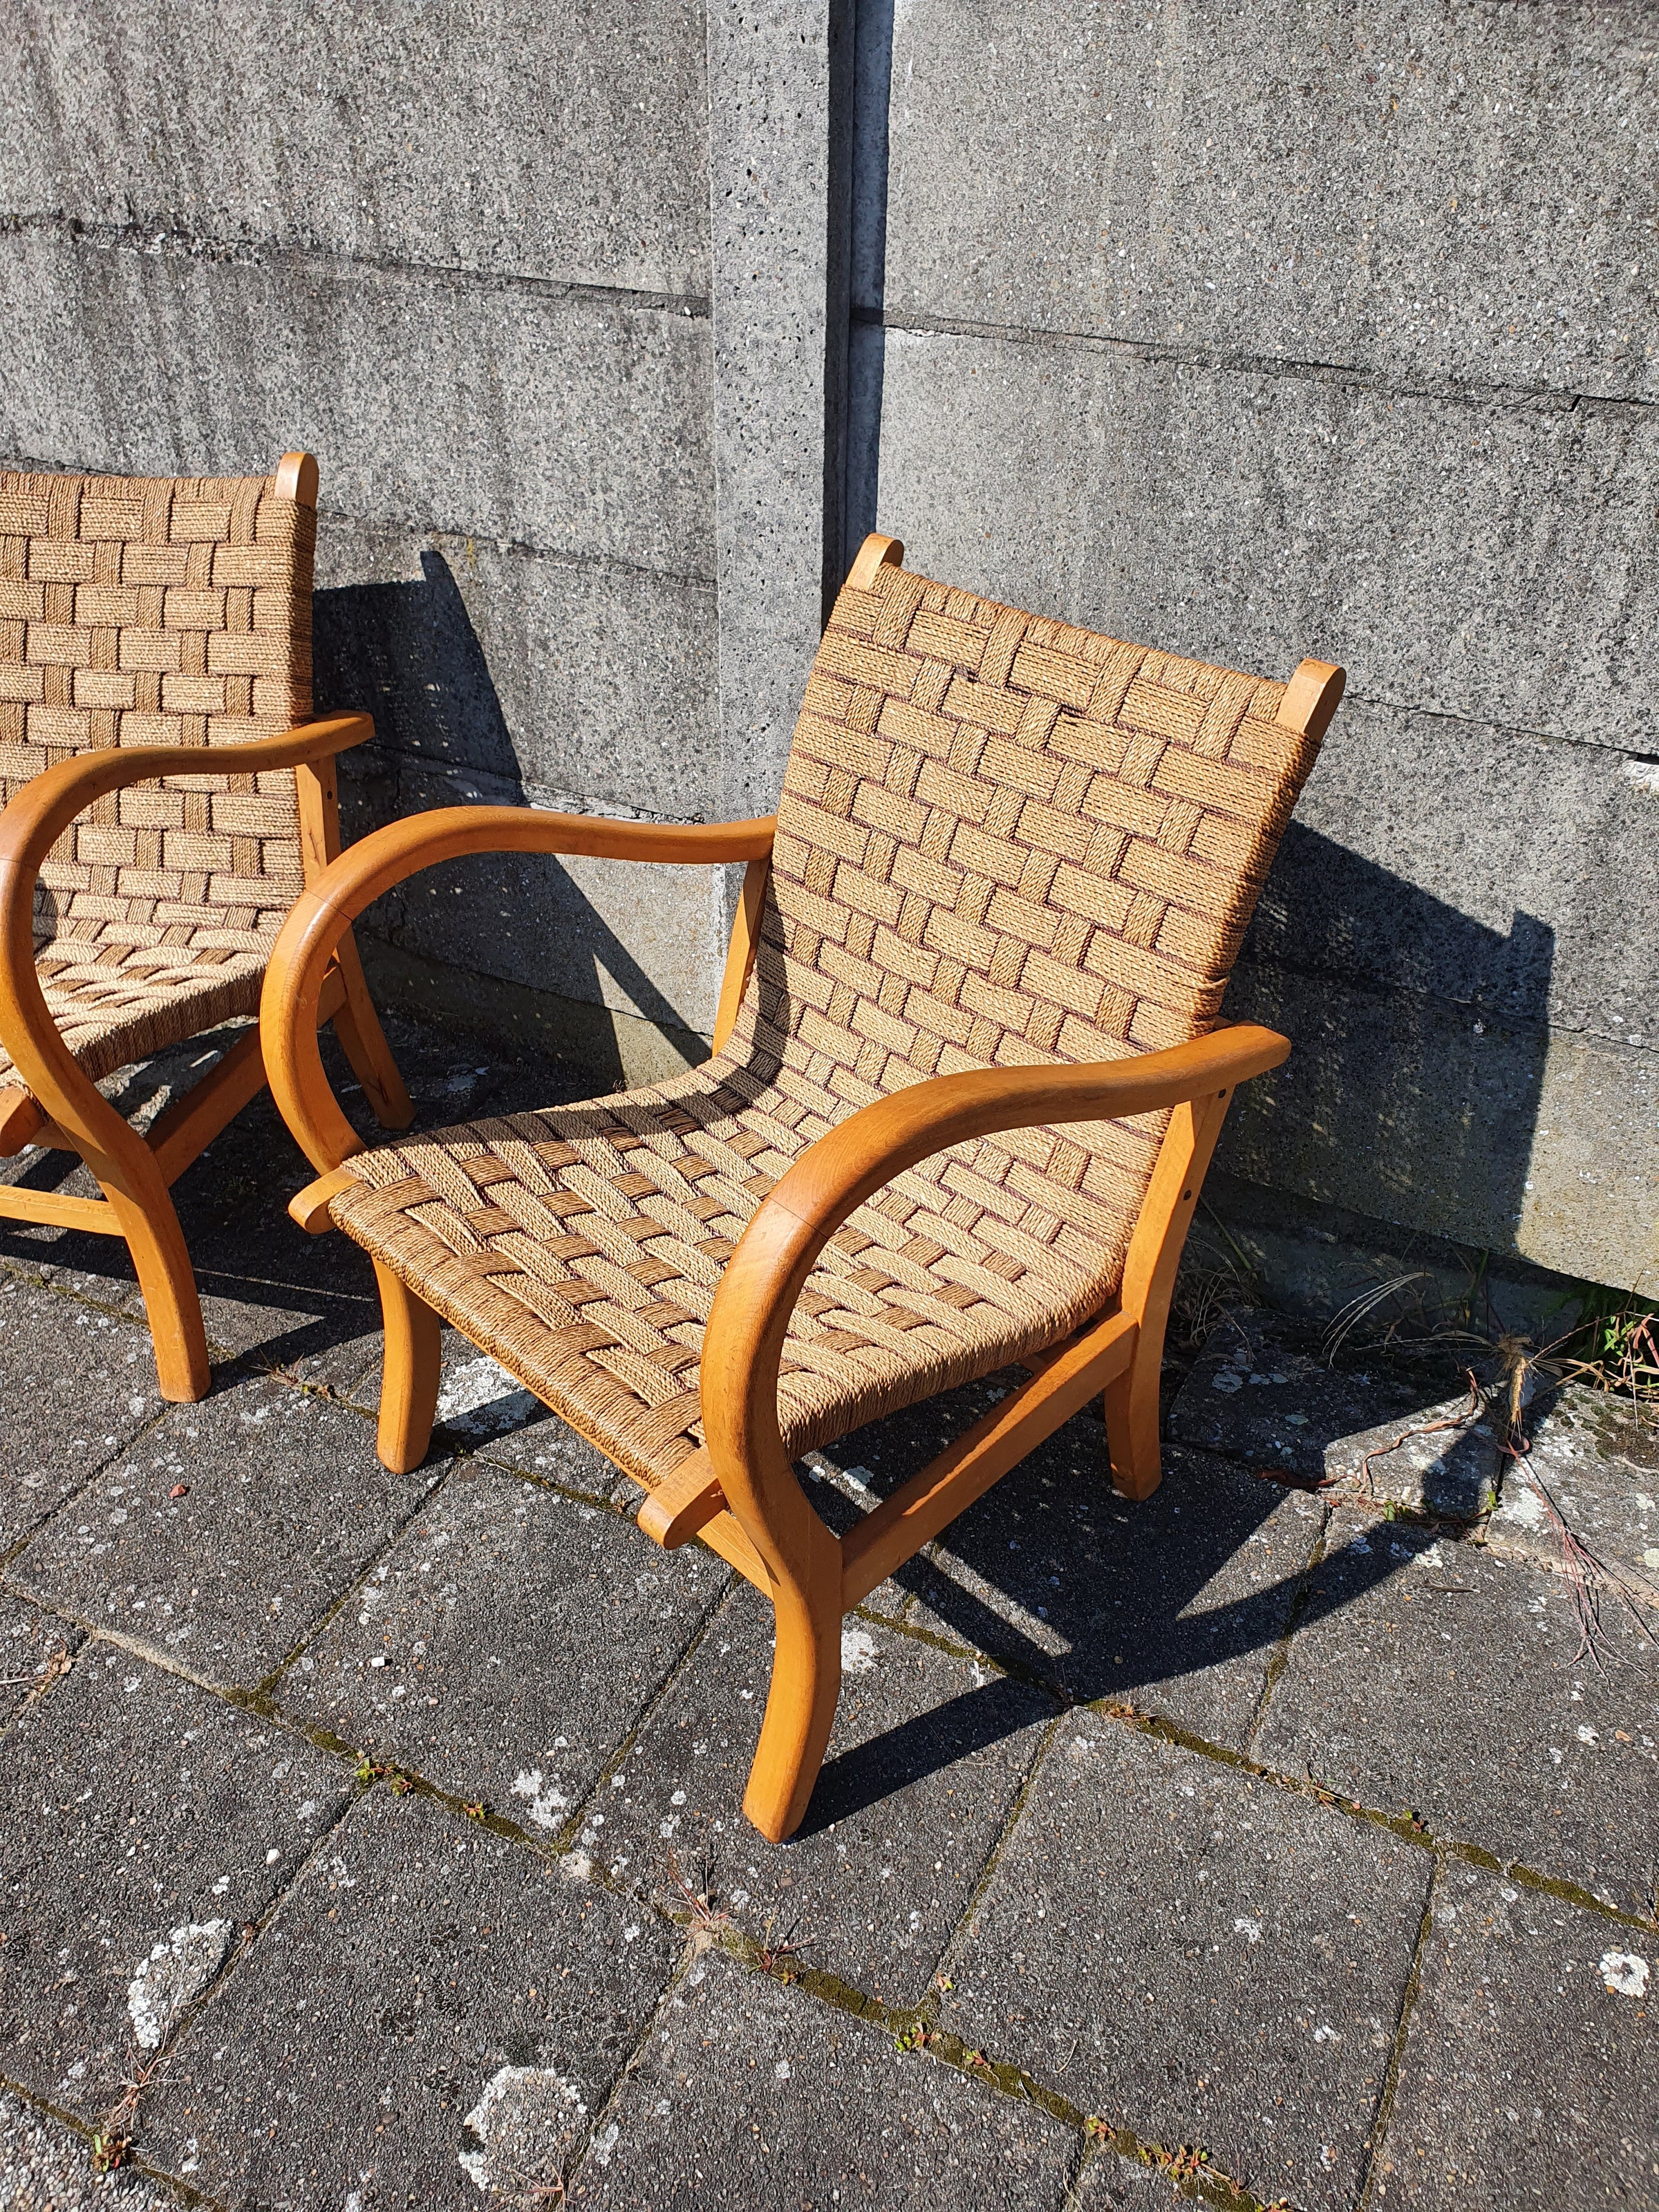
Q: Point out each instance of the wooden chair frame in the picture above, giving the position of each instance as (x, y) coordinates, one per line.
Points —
(63, 1108)
(739, 1493)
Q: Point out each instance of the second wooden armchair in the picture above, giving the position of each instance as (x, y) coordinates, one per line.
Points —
(965, 1088)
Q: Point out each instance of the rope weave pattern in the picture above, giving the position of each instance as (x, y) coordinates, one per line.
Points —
(1001, 841)
(156, 611)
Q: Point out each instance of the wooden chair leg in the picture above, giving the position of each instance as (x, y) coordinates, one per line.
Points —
(408, 1375)
(801, 1710)
(364, 1041)
(168, 1283)
(1131, 1409)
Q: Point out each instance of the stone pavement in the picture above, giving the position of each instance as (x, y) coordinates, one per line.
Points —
(375, 1841)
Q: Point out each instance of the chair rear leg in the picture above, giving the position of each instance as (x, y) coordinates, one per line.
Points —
(364, 1041)
(408, 1375)
(167, 1282)
(801, 1710)
(1131, 1409)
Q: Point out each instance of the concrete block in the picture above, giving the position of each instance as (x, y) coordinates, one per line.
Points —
(1163, 1939)
(595, 1048)
(1508, 874)
(1429, 191)
(1514, 1140)
(566, 144)
(626, 934)
(226, 1532)
(1527, 2075)
(175, 1823)
(1428, 1675)
(575, 684)
(748, 2094)
(424, 1986)
(507, 1619)
(1485, 558)
(576, 423)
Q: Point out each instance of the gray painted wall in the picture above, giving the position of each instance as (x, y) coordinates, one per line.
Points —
(1324, 328)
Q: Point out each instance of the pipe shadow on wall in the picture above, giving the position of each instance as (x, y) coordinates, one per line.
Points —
(1420, 1037)
(408, 652)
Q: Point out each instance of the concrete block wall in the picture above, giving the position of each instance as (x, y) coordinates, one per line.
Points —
(1323, 328)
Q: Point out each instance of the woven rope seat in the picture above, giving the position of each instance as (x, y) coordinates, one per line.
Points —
(1001, 841)
(156, 611)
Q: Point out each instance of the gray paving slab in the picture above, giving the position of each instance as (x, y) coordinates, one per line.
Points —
(1530, 2076)
(145, 1823)
(483, 1410)
(750, 2093)
(227, 1530)
(927, 1756)
(1173, 1604)
(1198, 1954)
(76, 1386)
(35, 1649)
(506, 1644)
(1456, 1684)
(46, 2168)
(1111, 2184)
(1261, 1392)
(422, 1975)
(1597, 1461)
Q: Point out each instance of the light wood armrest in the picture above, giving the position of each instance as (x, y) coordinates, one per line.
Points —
(756, 1294)
(326, 909)
(31, 825)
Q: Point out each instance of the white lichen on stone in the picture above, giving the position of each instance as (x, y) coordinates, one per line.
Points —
(858, 1651)
(547, 1801)
(175, 1972)
(519, 2126)
(1625, 1973)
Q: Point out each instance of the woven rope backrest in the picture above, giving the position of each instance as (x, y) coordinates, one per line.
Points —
(1003, 841)
(158, 611)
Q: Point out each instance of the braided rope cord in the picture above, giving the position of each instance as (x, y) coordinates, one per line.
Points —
(1002, 841)
(156, 611)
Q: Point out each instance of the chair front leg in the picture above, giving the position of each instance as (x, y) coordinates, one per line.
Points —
(408, 1375)
(167, 1282)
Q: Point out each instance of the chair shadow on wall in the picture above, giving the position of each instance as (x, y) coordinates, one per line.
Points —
(408, 653)
(1419, 1035)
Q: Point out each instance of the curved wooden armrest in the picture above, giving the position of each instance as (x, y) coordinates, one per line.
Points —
(326, 909)
(31, 825)
(756, 1294)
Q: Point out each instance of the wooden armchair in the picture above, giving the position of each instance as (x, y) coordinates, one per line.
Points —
(964, 1090)
(149, 627)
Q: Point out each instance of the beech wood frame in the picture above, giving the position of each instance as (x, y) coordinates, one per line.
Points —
(52, 1102)
(740, 1492)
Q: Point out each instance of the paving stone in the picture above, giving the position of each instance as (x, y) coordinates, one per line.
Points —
(750, 2093)
(284, 1503)
(483, 1410)
(507, 1644)
(33, 1648)
(436, 1972)
(1198, 1954)
(1260, 1393)
(139, 1814)
(1458, 1684)
(1111, 2184)
(1530, 2076)
(44, 2167)
(1600, 1465)
(1175, 1605)
(76, 1386)
(928, 1753)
